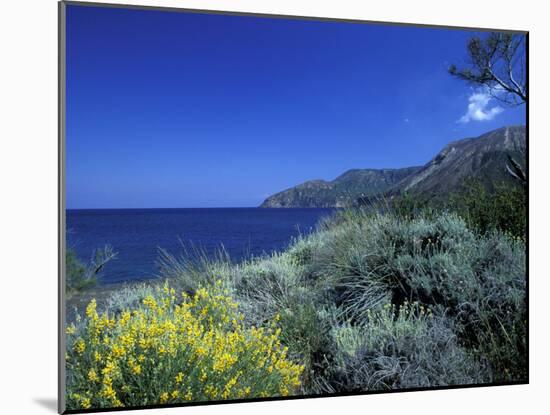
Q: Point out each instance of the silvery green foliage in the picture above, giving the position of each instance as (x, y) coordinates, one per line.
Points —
(375, 300)
(400, 348)
(128, 298)
(478, 281)
(270, 285)
(194, 268)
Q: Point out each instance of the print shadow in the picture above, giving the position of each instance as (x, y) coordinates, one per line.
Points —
(48, 403)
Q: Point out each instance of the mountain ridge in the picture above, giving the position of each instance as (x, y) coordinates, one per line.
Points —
(341, 191)
(483, 158)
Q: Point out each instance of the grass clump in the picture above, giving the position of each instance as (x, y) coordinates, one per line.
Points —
(172, 351)
(399, 348)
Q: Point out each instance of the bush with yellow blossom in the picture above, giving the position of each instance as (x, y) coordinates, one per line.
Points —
(175, 349)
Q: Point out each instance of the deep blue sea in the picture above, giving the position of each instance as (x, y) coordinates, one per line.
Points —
(136, 234)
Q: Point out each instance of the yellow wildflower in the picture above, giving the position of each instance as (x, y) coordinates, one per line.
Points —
(80, 346)
(92, 375)
(164, 397)
(85, 403)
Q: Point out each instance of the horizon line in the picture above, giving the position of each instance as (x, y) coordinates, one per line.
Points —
(506, 126)
(195, 207)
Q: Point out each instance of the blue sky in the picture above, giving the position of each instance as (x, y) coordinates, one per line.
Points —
(192, 110)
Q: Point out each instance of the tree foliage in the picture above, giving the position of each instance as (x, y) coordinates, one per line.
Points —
(498, 63)
(80, 276)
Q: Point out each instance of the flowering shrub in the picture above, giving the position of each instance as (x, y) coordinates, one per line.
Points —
(170, 351)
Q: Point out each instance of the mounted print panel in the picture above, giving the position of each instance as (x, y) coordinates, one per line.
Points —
(261, 207)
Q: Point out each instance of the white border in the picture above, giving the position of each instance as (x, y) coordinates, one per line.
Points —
(28, 170)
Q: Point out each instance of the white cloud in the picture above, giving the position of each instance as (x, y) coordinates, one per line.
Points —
(478, 108)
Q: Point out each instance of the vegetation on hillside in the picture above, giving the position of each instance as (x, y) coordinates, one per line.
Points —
(498, 156)
(503, 207)
(373, 300)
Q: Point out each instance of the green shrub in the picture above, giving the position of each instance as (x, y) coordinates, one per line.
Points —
(76, 273)
(303, 249)
(305, 330)
(269, 285)
(278, 285)
(503, 208)
(80, 276)
(477, 280)
(409, 206)
(400, 348)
